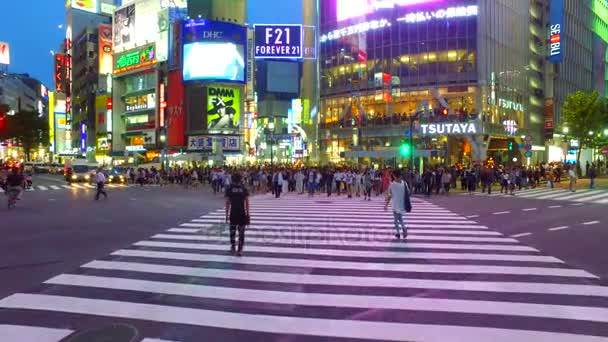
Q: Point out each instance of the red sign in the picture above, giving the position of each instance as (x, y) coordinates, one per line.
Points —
(176, 115)
(163, 105)
(60, 72)
(362, 56)
(109, 103)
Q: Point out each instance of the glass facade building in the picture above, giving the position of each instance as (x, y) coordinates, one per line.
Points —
(383, 67)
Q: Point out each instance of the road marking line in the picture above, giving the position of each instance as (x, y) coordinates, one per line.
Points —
(472, 216)
(42, 187)
(529, 209)
(353, 281)
(591, 223)
(308, 239)
(334, 328)
(52, 200)
(365, 265)
(66, 186)
(521, 235)
(577, 204)
(356, 253)
(555, 206)
(55, 187)
(558, 228)
(359, 301)
(29, 333)
(501, 213)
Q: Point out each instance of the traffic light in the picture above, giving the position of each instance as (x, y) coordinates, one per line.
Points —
(405, 150)
(510, 145)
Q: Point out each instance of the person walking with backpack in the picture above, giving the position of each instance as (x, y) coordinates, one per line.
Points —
(398, 196)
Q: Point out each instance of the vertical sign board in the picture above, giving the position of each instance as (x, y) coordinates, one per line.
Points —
(278, 41)
(5, 53)
(52, 121)
(60, 73)
(105, 49)
(250, 66)
(556, 27)
(176, 116)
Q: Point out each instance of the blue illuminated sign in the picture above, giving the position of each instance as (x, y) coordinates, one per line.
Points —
(278, 41)
(556, 27)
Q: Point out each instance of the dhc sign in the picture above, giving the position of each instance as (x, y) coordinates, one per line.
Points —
(556, 26)
(448, 128)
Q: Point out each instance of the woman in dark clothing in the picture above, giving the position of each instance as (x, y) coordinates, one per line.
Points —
(237, 212)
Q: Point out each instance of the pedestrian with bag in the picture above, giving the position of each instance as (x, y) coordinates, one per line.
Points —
(100, 179)
(399, 197)
(237, 212)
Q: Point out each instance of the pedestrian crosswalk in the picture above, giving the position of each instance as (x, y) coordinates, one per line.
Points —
(318, 269)
(581, 195)
(72, 186)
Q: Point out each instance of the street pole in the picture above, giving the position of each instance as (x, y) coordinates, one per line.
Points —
(412, 143)
(271, 151)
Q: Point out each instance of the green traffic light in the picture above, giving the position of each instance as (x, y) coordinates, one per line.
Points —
(406, 149)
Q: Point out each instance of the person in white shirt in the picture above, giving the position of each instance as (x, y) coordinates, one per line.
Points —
(299, 182)
(396, 196)
(100, 179)
(572, 176)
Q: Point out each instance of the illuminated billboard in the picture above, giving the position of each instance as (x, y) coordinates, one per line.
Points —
(223, 108)
(5, 53)
(348, 9)
(556, 23)
(214, 51)
(133, 59)
(86, 5)
(105, 49)
(124, 26)
(278, 41)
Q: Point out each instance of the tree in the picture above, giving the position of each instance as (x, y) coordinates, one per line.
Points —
(584, 118)
(27, 129)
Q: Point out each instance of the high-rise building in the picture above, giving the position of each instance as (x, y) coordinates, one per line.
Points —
(465, 76)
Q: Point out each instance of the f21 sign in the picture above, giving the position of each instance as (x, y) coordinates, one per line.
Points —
(278, 41)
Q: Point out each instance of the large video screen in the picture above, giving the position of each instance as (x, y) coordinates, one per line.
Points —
(220, 61)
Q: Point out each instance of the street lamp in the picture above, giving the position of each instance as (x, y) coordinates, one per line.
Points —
(590, 132)
(606, 132)
(565, 130)
(269, 130)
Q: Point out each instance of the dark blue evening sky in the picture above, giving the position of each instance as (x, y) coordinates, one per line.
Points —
(30, 27)
(274, 12)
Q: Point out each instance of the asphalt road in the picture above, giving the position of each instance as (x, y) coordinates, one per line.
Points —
(574, 232)
(54, 231)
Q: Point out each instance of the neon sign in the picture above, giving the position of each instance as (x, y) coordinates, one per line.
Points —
(444, 13)
(133, 59)
(449, 128)
(347, 9)
(355, 29)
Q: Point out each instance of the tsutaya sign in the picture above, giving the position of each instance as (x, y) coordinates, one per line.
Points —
(448, 128)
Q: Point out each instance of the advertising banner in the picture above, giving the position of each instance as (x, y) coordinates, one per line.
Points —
(176, 115)
(223, 108)
(5, 55)
(556, 25)
(86, 5)
(60, 71)
(52, 121)
(250, 66)
(205, 142)
(214, 51)
(100, 113)
(124, 26)
(134, 59)
(175, 46)
(278, 41)
(105, 49)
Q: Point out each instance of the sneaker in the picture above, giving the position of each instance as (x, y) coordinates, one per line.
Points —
(397, 236)
(239, 253)
(232, 251)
